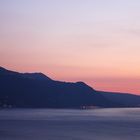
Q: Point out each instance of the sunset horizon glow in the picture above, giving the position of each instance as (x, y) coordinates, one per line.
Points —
(94, 41)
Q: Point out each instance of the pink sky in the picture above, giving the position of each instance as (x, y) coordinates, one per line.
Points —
(96, 42)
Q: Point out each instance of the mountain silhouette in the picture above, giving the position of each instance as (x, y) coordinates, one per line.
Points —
(36, 90)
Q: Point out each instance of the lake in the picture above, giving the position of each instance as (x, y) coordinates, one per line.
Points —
(62, 124)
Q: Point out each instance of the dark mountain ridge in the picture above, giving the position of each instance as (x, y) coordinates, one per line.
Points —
(36, 90)
(36, 75)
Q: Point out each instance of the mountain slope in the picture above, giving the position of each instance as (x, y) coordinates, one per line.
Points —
(37, 90)
(125, 98)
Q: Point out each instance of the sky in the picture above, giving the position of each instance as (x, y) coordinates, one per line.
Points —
(95, 41)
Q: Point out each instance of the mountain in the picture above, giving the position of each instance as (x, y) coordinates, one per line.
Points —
(128, 100)
(36, 90)
(39, 76)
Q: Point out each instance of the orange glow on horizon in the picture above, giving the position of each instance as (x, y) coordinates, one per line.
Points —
(111, 84)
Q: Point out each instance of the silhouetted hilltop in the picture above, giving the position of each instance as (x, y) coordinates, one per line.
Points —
(38, 76)
(36, 90)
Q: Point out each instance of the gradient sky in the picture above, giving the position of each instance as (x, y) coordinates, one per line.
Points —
(95, 41)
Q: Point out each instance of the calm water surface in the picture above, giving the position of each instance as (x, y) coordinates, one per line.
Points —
(52, 124)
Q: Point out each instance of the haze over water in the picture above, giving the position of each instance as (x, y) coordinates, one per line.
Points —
(51, 124)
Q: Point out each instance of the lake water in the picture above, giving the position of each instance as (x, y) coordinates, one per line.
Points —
(52, 124)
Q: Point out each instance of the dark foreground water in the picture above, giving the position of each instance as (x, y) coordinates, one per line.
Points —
(46, 124)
